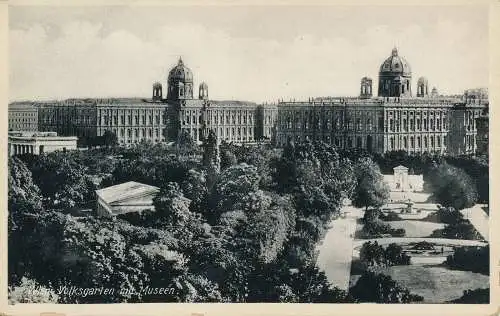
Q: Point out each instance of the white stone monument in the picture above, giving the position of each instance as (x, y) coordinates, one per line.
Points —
(401, 179)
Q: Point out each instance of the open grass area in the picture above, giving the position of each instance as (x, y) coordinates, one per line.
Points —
(436, 284)
(416, 228)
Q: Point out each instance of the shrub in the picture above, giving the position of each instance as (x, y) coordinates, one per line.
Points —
(477, 296)
(378, 229)
(475, 259)
(379, 288)
(423, 245)
(464, 230)
(391, 216)
(447, 215)
(374, 254)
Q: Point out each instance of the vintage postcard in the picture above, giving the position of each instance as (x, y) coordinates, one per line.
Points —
(249, 153)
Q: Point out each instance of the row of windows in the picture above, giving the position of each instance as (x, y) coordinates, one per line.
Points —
(227, 133)
(426, 143)
(234, 119)
(137, 120)
(53, 119)
(328, 124)
(418, 113)
(350, 142)
(22, 120)
(410, 125)
(139, 132)
(22, 114)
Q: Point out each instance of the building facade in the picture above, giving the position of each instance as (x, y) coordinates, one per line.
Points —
(394, 120)
(160, 119)
(37, 143)
(23, 116)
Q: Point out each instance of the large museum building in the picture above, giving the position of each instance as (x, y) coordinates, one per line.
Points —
(392, 120)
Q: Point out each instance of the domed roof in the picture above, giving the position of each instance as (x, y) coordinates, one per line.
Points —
(181, 73)
(395, 64)
(422, 80)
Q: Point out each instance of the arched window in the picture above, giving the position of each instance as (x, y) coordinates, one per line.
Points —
(391, 143)
(412, 142)
(405, 126)
(418, 142)
(359, 142)
(405, 142)
(425, 142)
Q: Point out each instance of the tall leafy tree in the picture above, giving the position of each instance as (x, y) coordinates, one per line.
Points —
(371, 190)
(451, 186)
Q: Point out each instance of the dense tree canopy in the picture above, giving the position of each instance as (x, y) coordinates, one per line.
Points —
(245, 232)
(63, 181)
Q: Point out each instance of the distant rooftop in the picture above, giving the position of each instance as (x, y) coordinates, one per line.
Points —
(32, 134)
(125, 191)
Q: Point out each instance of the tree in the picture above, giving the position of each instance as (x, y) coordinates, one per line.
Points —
(64, 182)
(477, 296)
(371, 253)
(451, 186)
(378, 288)
(24, 196)
(462, 230)
(227, 159)
(109, 139)
(185, 144)
(211, 157)
(371, 190)
(394, 255)
(475, 259)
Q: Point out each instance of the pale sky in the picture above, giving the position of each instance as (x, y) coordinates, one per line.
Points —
(243, 53)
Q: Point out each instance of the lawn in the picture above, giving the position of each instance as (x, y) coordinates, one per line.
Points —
(436, 284)
(416, 228)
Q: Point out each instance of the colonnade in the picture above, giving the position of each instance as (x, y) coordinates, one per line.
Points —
(19, 149)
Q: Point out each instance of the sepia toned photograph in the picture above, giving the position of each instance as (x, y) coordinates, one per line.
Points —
(248, 154)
